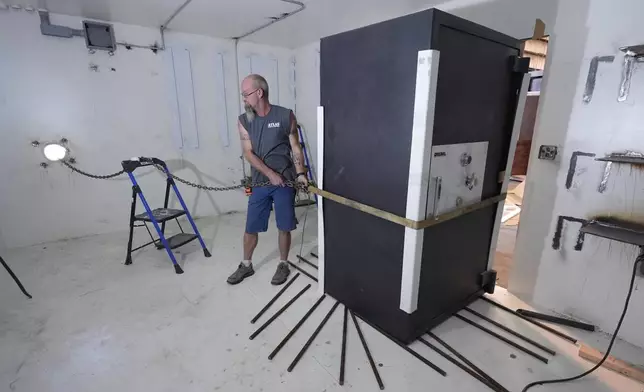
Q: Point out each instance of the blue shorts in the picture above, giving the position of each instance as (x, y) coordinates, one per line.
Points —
(259, 208)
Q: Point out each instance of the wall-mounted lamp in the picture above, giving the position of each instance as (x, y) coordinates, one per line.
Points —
(55, 151)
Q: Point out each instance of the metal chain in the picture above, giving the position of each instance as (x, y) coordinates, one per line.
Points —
(96, 176)
(293, 184)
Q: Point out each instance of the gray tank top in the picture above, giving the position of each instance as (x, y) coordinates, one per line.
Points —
(269, 138)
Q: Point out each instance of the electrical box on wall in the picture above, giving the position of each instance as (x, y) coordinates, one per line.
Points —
(99, 35)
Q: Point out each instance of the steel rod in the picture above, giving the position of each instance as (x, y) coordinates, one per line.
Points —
(366, 350)
(272, 301)
(307, 262)
(15, 278)
(465, 360)
(538, 324)
(557, 320)
(179, 224)
(510, 331)
(144, 245)
(279, 312)
(344, 346)
(290, 334)
(312, 338)
(423, 359)
(149, 232)
(502, 338)
(406, 348)
(302, 271)
(467, 370)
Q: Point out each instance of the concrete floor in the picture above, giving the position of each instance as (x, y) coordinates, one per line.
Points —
(95, 324)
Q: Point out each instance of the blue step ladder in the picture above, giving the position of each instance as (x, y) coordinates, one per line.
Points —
(159, 216)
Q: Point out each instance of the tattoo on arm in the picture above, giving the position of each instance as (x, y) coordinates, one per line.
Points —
(243, 133)
(293, 123)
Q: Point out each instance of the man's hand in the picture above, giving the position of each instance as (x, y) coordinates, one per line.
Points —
(276, 179)
(303, 182)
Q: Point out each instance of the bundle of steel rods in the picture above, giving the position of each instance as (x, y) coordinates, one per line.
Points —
(447, 351)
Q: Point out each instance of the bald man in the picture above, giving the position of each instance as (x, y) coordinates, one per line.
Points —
(271, 144)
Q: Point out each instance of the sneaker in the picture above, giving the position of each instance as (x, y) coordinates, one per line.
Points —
(241, 273)
(281, 274)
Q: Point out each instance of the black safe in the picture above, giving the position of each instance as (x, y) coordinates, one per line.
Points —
(418, 119)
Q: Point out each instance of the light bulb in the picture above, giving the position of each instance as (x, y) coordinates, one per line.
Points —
(54, 152)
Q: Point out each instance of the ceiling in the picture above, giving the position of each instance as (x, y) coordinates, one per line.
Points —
(322, 18)
(232, 18)
(217, 18)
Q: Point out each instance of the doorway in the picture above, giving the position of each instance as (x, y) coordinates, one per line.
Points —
(536, 50)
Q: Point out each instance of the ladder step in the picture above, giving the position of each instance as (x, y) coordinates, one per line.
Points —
(177, 240)
(160, 214)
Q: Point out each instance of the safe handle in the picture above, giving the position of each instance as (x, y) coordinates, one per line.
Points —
(438, 187)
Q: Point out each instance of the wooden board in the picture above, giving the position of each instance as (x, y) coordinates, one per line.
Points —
(627, 369)
(519, 189)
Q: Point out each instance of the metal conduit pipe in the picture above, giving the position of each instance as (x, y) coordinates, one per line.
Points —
(165, 24)
(301, 5)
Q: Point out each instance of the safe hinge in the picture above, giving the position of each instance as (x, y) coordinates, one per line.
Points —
(520, 64)
(488, 281)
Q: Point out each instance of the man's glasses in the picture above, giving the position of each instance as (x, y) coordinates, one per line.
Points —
(245, 95)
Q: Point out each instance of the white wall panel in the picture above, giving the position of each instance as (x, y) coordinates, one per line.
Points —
(221, 105)
(182, 67)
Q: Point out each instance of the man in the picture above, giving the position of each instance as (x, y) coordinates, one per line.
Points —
(271, 144)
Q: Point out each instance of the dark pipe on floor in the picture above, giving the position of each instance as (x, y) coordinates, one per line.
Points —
(463, 367)
(279, 312)
(343, 353)
(366, 350)
(272, 301)
(15, 278)
(307, 262)
(406, 348)
(302, 271)
(538, 324)
(510, 331)
(297, 326)
(466, 361)
(557, 320)
(312, 338)
(502, 338)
